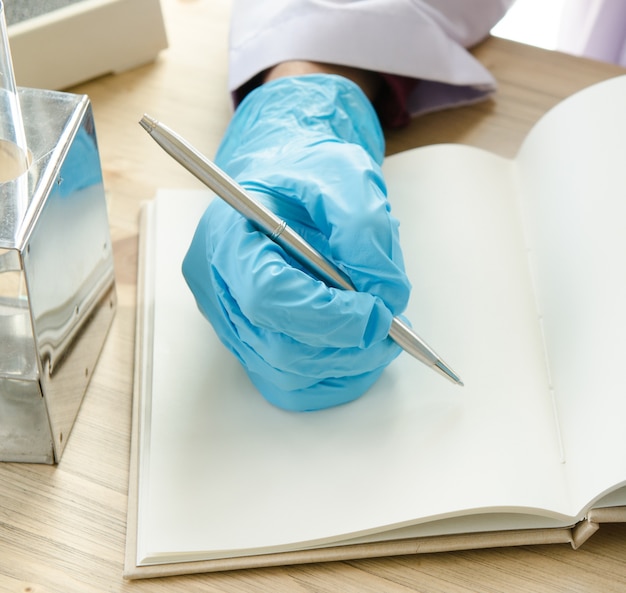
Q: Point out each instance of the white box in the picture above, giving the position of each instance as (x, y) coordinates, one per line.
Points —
(85, 40)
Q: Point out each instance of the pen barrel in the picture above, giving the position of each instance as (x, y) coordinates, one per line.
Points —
(271, 225)
(258, 214)
(409, 341)
(279, 232)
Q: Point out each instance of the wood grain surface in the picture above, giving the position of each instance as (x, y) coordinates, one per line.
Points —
(63, 528)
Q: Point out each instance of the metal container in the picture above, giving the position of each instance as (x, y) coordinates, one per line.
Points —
(57, 284)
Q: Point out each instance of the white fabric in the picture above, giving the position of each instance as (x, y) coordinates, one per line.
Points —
(595, 29)
(422, 39)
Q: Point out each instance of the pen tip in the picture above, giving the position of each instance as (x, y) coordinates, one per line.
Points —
(447, 372)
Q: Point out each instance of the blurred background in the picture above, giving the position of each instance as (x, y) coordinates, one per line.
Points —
(591, 28)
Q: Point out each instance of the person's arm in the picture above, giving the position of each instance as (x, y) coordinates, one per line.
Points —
(369, 82)
(306, 140)
(309, 146)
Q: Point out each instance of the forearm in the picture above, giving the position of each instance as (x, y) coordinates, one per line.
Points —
(310, 148)
(370, 82)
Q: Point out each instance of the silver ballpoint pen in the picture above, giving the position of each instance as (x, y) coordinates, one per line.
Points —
(278, 231)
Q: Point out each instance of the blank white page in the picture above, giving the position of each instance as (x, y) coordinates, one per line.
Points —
(571, 169)
(222, 472)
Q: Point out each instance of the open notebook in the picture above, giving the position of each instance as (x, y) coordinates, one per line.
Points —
(519, 276)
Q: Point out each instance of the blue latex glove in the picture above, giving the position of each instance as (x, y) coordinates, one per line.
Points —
(310, 149)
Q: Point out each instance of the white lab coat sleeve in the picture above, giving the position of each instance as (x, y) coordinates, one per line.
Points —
(426, 40)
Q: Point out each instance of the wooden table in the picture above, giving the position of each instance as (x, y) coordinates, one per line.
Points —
(62, 529)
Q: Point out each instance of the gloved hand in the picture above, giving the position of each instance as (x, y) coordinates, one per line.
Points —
(310, 148)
